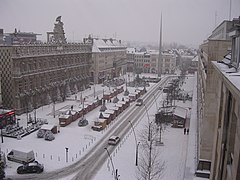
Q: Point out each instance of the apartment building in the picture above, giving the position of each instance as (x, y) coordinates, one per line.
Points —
(218, 106)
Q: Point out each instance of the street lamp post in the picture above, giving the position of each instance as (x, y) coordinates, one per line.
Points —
(114, 171)
(2, 134)
(137, 143)
(66, 154)
(137, 153)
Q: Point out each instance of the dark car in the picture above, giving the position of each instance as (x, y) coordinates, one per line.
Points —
(139, 102)
(33, 167)
(82, 122)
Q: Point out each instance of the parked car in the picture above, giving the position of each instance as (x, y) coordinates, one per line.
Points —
(49, 136)
(33, 167)
(139, 102)
(82, 122)
(97, 128)
(113, 140)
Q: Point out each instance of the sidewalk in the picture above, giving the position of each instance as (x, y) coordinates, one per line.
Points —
(191, 160)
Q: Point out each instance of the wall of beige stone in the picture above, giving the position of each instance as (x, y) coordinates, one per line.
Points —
(224, 166)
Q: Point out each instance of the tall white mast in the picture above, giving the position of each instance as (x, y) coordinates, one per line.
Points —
(160, 51)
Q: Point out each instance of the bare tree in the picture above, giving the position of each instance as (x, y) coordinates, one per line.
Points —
(150, 165)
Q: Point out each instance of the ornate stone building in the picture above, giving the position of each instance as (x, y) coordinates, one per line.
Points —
(37, 74)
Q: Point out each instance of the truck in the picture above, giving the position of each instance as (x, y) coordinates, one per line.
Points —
(21, 156)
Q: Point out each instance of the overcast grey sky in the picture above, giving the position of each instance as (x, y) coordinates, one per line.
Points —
(184, 21)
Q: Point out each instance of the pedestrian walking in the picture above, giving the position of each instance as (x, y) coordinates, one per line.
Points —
(184, 130)
(187, 131)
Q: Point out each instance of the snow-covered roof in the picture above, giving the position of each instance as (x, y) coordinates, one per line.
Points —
(131, 50)
(114, 108)
(101, 120)
(47, 126)
(109, 111)
(231, 74)
(132, 94)
(64, 116)
(180, 112)
(106, 115)
(119, 105)
(71, 112)
(110, 44)
(121, 102)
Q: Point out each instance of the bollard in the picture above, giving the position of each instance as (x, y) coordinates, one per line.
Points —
(76, 156)
(43, 155)
(58, 158)
(51, 157)
(36, 154)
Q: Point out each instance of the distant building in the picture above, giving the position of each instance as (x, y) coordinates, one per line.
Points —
(221, 32)
(142, 62)
(1, 37)
(147, 62)
(18, 38)
(168, 63)
(108, 59)
(130, 59)
(193, 66)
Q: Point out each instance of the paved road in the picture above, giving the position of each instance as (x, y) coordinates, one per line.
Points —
(87, 167)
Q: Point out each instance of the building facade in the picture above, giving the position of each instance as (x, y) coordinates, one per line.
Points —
(147, 62)
(168, 63)
(5, 55)
(18, 37)
(218, 109)
(130, 59)
(109, 59)
(35, 75)
(222, 30)
(226, 146)
(213, 50)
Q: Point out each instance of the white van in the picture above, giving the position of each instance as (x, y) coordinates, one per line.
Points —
(20, 156)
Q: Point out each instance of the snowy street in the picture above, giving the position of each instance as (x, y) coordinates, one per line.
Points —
(178, 152)
(89, 160)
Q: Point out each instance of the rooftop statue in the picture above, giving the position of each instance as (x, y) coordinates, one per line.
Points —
(58, 34)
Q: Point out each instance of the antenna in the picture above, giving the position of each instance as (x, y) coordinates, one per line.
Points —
(160, 50)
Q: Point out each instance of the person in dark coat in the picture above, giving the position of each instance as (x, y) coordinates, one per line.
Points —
(187, 131)
(184, 130)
